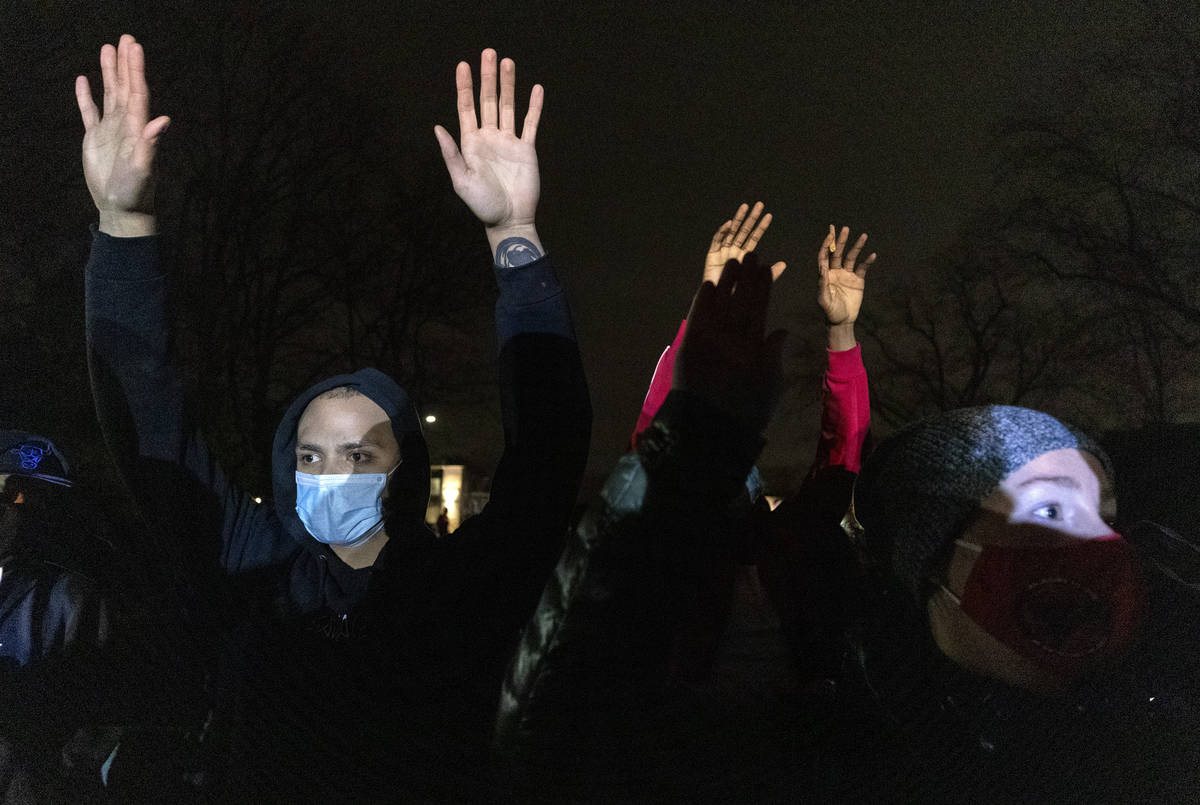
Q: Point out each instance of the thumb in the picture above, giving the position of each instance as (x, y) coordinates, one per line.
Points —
(143, 149)
(155, 128)
(453, 158)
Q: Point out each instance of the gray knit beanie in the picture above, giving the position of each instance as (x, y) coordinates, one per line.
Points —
(919, 490)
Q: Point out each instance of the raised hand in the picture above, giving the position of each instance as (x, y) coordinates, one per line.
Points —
(725, 357)
(495, 171)
(735, 239)
(842, 278)
(118, 148)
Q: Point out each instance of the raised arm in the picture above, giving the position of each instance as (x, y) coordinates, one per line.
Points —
(581, 708)
(845, 409)
(733, 240)
(139, 400)
(545, 405)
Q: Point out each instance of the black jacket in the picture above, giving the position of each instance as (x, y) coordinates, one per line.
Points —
(341, 683)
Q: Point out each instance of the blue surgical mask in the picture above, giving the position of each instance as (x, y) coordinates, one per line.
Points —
(341, 509)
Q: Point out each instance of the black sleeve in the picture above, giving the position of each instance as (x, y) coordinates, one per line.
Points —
(141, 407)
(511, 546)
(585, 686)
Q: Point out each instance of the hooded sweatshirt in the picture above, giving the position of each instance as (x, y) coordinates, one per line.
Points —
(339, 683)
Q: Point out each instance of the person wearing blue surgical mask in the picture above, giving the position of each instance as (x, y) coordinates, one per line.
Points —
(361, 657)
(345, 454)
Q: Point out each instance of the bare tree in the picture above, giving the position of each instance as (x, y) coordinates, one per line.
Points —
(1078, 291)
(1108, 207)
(299, 249)
(975, 327)
(302, 236)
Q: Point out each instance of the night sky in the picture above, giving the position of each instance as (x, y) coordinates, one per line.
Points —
(661, 118)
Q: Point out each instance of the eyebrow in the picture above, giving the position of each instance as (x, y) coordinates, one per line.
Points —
(357, 445)
(312, 448)
(1060, 480)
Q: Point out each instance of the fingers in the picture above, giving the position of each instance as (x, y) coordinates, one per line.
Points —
(496, 111)
(108, 76)
(147, 143)
(736, 225)
(831, 254)
(777, 270)
(827, 246)
(529, 130)
(139, 92)
(487, 89)
(87, 106)
(466, 99)
(861, 271)
(839, 248)
(759, 230)
(508, 92)
(744, 230)
(852, 255)
(154, 128)
(719, 237)
(453, 158)
(124, 46)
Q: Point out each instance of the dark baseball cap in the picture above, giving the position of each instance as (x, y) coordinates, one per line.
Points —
(31, 456)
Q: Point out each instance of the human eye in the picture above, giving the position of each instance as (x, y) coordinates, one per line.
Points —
(307, 458)
(360, 457)
(1048, 511)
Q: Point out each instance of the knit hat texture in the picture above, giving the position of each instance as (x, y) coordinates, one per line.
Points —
(919, 490)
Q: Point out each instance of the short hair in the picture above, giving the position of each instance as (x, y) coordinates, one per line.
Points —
(340, 393)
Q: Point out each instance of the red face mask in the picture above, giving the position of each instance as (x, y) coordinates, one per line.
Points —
(1066, 608)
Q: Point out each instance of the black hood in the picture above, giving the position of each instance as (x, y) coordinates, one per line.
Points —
(408, 489)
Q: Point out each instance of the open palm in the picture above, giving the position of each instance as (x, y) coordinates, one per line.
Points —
(842, 278)
(736, 238)
(495, 171)
(118, 148)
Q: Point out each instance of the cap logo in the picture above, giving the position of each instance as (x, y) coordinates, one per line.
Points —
(31, 456)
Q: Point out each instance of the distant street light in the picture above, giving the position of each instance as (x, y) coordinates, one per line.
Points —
(431, 419)
(258, 500)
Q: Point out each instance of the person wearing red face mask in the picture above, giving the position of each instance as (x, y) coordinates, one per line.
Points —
(1036, 589)
(1002, 659)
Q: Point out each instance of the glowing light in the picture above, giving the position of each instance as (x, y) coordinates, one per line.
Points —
(258, 500)
(450, 494)
(431, 419)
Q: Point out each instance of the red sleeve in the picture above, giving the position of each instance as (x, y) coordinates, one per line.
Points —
(845, 412)
(660, 384)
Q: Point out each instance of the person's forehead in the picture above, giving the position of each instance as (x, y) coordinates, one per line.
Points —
(1068, 469)
(355, 418)
(1069, 466)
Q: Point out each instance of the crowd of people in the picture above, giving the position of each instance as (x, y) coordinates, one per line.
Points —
(946, 616)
